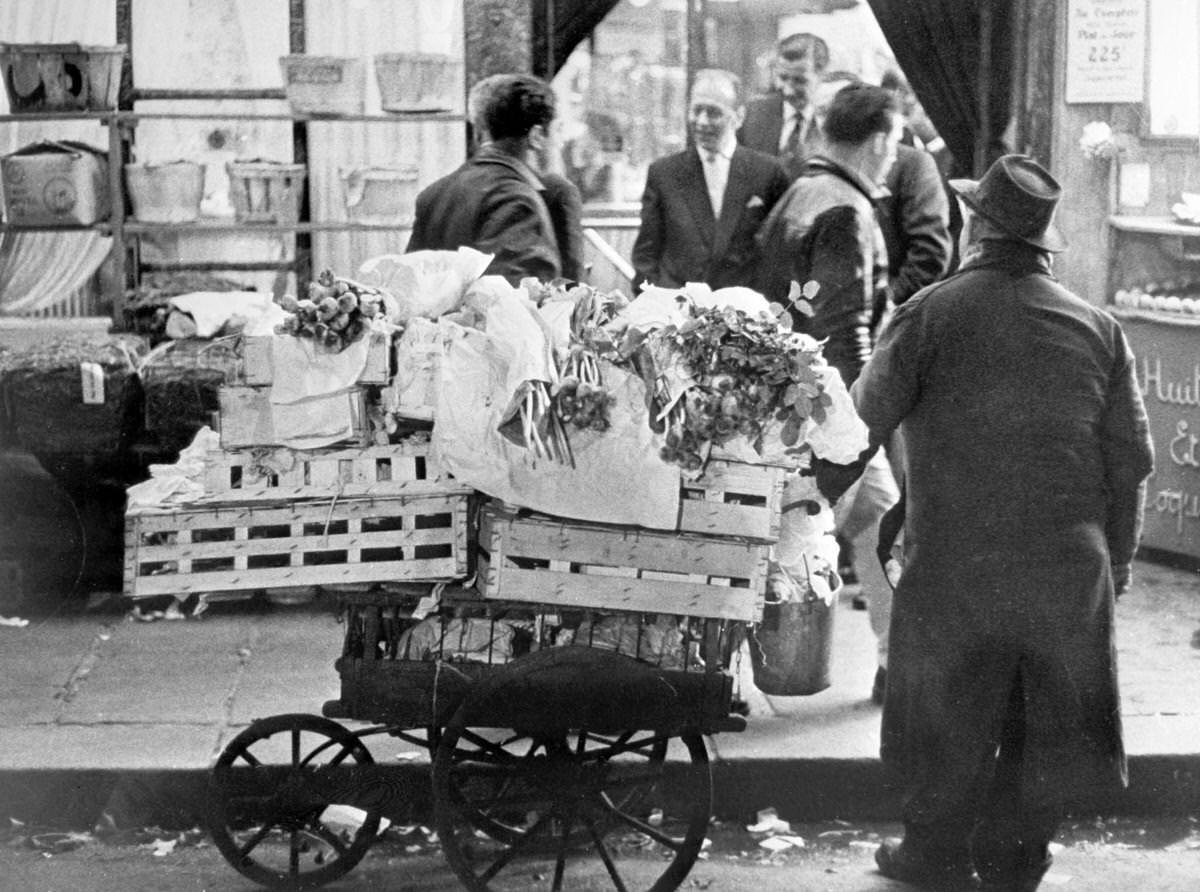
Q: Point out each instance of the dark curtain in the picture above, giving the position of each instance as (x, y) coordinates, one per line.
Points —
(938, 44)
(573, 22)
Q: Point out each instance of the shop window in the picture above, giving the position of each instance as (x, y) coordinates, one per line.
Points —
(1173, 69)
(621, 98)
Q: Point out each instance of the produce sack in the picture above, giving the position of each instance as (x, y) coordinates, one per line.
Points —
(304, 369)
(181, 381)
(76, 394)
(618, 476)
(413, 391)
(425, 283)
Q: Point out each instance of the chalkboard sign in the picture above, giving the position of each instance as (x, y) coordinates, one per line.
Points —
(1168, 370)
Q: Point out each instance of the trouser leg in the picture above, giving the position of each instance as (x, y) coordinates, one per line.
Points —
(1011, 846)
(857, 515)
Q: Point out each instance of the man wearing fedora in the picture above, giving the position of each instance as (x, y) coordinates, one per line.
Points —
(1027, 450)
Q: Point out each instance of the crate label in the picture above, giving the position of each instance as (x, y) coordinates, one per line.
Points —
(91, 377)
(316, 74)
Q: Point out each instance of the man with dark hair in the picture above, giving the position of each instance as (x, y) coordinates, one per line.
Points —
(495, 202)
(783, 122)
(702, 207)
(824, 231)
(1027, 452)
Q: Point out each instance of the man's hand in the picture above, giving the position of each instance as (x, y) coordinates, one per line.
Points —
(1122, 575)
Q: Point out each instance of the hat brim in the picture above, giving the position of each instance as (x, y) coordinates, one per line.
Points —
(1051, 240)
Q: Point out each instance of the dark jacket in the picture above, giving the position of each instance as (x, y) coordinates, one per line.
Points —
(679, 239)
(824, 230)
(763, 128)
(492, 203)
(915, 220)
(1027, 445)
(565, 204)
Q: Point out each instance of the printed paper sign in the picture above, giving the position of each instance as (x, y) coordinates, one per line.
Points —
(1106, 50)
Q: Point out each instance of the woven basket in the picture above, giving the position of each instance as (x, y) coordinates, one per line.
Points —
(417, 82)
(42, 77)
(265, 191)
(165, 193)
(386, 195)
(324, 85)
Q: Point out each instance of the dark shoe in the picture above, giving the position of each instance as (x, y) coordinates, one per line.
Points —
(896, 861)
(877, 689)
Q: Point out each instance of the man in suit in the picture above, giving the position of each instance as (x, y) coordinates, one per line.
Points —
(703, 206)
(784, 121)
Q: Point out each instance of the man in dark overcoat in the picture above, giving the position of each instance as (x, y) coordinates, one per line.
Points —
(1027, 450)
(703, 207)
(496, 202)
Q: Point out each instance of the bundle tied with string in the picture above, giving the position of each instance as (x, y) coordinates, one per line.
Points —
(74, 394)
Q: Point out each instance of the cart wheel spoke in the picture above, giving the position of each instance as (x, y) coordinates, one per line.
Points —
(245, 850)
(671, 842)
(606, 857)
(292, 801)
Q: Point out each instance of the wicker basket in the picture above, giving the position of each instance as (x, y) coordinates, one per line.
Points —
(165, 193)
(324, 85)
(381, 195)
(417, 82)
(41, 77)
(265, 191)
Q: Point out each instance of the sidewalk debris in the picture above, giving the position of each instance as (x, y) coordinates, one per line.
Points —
(769, 822)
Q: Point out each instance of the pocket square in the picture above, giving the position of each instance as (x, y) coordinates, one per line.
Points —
(754, 202)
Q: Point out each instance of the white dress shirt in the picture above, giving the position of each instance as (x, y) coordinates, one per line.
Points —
(716, 170)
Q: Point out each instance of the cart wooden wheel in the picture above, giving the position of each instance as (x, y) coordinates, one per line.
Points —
(292, 803)
(524, 809)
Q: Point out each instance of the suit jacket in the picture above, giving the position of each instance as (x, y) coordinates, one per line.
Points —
(493, 204)
(565, 203)
(763, 128)
(915, 220)
(680, 240)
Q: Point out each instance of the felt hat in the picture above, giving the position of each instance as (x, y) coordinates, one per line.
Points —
(1019, 196)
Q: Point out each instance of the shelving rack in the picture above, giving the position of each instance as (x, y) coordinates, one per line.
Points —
(127, 265)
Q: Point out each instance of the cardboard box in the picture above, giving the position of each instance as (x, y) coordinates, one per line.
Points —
(55, 183)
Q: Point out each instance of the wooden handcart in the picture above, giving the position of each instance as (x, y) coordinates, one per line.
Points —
(563, 700)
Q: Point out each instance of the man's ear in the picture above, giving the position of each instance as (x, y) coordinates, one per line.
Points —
(739, 117)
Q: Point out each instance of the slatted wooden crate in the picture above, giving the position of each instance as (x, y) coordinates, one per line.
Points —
(542, 559)
(247, 419)
(733, 499)
(258, 365)
(404, 468)
(238, 547)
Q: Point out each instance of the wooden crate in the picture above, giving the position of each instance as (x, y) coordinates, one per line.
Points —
(246, 417)
(236, 547)
(541, 559)
(404, 468)
(733, 499)
(258, 366)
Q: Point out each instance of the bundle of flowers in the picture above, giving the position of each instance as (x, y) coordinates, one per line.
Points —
(738, 376)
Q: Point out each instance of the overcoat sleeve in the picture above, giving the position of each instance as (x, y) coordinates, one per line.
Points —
(890, 383)
(1128, 456)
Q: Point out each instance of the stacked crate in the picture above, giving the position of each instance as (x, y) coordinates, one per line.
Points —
(275, 519)
(713, 565)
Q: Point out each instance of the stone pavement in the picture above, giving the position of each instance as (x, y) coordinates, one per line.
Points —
(103, 715)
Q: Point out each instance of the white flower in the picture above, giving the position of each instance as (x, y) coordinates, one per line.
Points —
(1098, 141)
